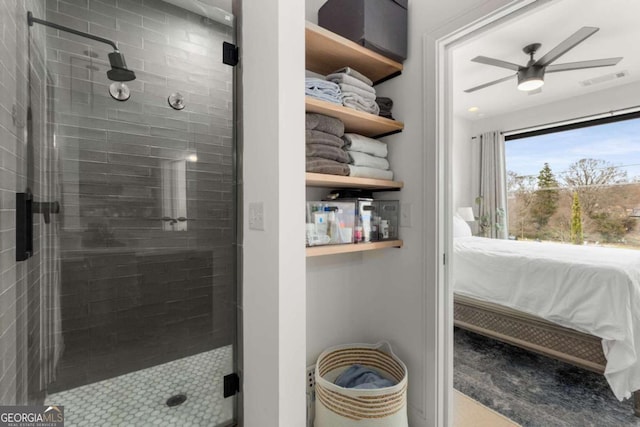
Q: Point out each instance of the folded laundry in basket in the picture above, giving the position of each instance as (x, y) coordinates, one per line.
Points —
(317, 137)
(363, 144)
(324, 123)
(327, 152)
(357, 376)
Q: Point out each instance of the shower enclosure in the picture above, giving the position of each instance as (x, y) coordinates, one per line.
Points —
(117, 210)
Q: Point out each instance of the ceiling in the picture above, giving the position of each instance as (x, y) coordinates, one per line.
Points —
(549, 24)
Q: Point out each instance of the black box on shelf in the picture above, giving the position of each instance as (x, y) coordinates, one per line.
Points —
(379, 25)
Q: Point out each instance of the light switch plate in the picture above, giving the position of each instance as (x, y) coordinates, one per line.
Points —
(256, 216)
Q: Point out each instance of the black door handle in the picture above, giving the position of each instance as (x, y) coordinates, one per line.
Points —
(46, 209)
(24, 226)
(25, 208)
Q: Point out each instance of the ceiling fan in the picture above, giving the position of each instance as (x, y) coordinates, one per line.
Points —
(531, 76)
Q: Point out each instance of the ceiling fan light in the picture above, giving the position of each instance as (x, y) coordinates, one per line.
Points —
(531, 84)
(530, 78)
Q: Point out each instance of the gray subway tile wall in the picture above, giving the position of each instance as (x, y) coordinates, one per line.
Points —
(134, 294)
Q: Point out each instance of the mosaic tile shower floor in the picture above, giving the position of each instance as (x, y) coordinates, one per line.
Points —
(139, 398)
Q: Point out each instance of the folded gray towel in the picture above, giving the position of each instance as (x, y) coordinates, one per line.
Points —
(386, 104)
(357, 102)
(328, 152)
(365, 172)
(325, 124)
(319, 165)
(348, 89)
(364, 159)
(352, 81)
(317, 137)
(353, 73)
(363, 144)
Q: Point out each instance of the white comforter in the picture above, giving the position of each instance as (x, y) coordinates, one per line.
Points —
(591, 289)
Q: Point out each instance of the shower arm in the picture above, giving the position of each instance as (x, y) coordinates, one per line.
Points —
(31, 20)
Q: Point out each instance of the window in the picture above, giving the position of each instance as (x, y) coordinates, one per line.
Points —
(577, 183)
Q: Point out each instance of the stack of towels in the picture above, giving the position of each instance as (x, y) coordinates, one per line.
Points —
(317, 86)
(357, 90)
(368, 157)
(385, 104)
(324, 145)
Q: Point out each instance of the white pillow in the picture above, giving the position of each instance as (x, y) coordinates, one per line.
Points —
(460, 227)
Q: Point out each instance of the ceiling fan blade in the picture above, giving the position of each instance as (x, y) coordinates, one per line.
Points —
(595, 63)
(482, 86)
(497, 63)
(578, 37)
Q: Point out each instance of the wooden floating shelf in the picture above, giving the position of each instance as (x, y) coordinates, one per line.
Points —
(337, 181)
(327, 52)
(359, 247)
(355, 121)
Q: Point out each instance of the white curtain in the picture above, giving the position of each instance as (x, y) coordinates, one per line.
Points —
(492, 191)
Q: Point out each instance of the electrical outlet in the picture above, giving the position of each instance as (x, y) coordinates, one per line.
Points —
(311, 378)
(311, 394)
(405, 214)
(256, 216)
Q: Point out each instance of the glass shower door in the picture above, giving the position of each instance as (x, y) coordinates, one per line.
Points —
(145, 179)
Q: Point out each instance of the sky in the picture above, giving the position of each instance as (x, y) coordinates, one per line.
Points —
(617, 143)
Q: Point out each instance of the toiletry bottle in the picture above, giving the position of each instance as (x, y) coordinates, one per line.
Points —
(384, 229)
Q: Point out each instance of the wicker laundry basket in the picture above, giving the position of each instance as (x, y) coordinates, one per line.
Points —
(346, 407)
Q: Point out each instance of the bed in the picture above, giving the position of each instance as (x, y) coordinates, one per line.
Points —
(579, 304)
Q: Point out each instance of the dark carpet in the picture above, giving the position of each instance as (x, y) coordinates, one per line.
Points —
(534, 390)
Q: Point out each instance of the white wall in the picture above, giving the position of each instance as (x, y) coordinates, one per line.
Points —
(391, 294)
(608, 99)
(312, 9)
(273, 300)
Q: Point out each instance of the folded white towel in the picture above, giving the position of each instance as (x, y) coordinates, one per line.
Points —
(349, 89)
(364, 159)
(365, 172)
(352, 81)
(363, 144)
(354, 73)
(357, 102)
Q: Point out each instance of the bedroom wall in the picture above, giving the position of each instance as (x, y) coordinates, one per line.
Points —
(391, 294)
(607, 99)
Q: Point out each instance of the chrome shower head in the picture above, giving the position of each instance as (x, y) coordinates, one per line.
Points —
(119, 71)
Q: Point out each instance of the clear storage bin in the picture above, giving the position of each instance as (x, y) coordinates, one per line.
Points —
(330, 223)
(389, 211)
